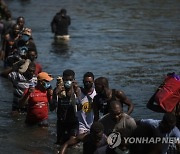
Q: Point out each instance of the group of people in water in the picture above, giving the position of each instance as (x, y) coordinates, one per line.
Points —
(89, 114)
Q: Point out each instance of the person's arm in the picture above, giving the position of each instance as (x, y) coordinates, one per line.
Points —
(6, 72)
(124, 99)
(72, 141)
(154, 107)
(49, 94)
(178, 147)
(53, 25)
(3, 48)
(54, 102)
(25, 97)
(77, 91)
(15, 67)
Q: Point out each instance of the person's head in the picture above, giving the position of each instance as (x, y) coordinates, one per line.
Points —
(148, 132)
(16, 29)
(20, 21)
(96, 131)
(68, 78)
(43, 80)
(101, 84)
(31, 54)
(115, 110)
(29, 73)
(63, 12)
(88, 80)
(168, 122)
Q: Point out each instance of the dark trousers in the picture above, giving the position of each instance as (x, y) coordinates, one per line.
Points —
(65, 130)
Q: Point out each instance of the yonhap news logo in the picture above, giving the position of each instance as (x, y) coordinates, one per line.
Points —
(115, 138)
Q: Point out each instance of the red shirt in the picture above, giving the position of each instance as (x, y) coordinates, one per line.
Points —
(37, 109)
(38, 68)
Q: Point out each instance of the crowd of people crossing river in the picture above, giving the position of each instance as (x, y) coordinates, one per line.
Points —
(90, 112)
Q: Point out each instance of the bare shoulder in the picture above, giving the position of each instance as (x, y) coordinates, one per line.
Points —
(120, 94)
(129, 120)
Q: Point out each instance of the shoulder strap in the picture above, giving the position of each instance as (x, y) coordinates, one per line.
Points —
(89, 98)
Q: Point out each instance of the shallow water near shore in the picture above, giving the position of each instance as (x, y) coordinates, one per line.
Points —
(132, 43)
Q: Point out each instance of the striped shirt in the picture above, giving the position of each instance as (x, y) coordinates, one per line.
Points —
(20, 83)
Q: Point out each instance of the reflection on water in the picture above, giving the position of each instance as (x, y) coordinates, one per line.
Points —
(60, 47)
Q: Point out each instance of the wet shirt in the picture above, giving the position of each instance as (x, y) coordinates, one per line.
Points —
(155, 123)
(86, 115)
(66, 109)
(37, 106)
(125, 122)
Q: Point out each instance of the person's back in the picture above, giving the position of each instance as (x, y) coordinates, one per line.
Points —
(148, 132)
(166, 128)
(60, 23)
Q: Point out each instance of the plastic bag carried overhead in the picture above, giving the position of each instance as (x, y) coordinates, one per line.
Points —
(168, 95)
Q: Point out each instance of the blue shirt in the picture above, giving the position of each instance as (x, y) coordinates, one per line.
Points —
(155, 123)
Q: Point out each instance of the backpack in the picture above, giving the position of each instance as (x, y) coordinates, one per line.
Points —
(168, 95)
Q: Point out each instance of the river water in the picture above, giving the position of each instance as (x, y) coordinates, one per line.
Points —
(132, 43)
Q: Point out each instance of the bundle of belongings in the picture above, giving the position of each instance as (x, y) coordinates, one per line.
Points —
(168, 94)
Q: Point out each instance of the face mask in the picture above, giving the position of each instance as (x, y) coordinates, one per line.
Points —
(88, 85)
(47, 85)
(25, 38)
(68, 84)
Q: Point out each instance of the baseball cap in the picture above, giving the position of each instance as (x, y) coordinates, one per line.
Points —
(27, 31)
(44, 76)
